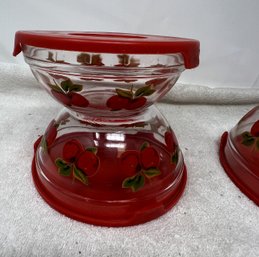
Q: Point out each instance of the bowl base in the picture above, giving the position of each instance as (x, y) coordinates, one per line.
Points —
(112, 214)
(233, 174)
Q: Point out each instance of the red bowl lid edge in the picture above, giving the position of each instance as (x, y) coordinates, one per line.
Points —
(109, 42)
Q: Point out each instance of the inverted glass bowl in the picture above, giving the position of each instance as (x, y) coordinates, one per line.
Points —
(239, 154)
(109, 158)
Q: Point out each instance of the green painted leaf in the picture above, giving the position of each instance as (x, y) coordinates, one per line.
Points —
(50, 57)
(144, 91)
(123, 59)
(97, 60)
(44, 144)
(126, 60)
(141, 91)
(246, 134)
(55, 88)
(138, 183)
(60, 163)
(80, 175)
(152, 172)
(128, 182)
(76, 88)
(248, 139)
(66, 84)
(64, 168)
(65, 171)
(124, 93)
(144, 145)
(84, 58)
(175, 157)
(149, 92)
(135, 182)
(92, 149)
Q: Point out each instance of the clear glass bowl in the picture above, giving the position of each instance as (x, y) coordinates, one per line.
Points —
(97, 84)
(239, 154)
(109, 157)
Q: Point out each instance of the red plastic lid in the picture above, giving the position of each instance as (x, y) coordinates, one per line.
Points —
(108, 42)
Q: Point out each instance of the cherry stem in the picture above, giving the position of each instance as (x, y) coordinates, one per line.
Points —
(56, 83)
(131, 90)
(59, 87)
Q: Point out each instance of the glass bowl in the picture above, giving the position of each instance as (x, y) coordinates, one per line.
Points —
(101, 84)
(239, 154)
(109, 157)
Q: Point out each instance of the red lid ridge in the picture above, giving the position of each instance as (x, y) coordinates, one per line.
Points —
(108, 42)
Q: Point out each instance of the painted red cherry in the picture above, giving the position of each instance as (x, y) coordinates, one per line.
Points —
(130, 163)
(117, 102)
(136, 103)
(88, 162)
(149, 158)
(255, 129)
(71, 150)
(169, 140)
(51, 133)
(78, 100)
(61, 97)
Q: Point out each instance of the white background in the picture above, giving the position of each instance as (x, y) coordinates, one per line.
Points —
(227, 29)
